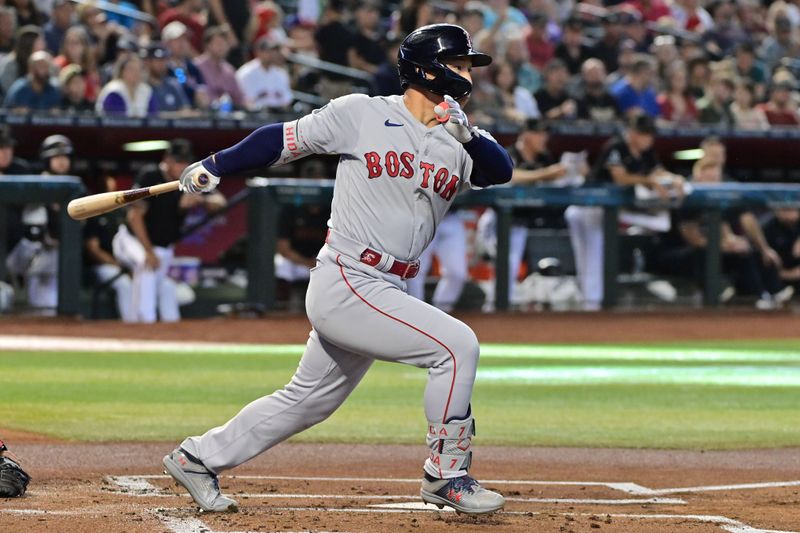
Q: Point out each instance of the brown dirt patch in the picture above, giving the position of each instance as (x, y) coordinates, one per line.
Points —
(511, 327)
(72, 491)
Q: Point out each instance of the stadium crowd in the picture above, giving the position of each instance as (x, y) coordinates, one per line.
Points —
(733, 65)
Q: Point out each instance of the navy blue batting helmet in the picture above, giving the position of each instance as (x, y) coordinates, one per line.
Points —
(427, 49)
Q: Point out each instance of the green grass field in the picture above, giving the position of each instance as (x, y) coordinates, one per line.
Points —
(699, 395)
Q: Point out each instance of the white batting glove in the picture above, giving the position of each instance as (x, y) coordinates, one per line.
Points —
(196, 179)
(455, 121)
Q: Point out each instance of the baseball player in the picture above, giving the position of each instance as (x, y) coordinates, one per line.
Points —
(402, 161)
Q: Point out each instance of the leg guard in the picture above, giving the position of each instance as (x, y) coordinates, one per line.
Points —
(450, 444)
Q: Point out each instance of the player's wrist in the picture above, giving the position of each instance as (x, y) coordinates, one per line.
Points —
(210, 164)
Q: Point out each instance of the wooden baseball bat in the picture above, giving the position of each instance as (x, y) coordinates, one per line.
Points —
(97, 204)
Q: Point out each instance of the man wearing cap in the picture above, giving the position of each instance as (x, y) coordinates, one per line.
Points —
(166, 90)
(73, 90)
(145, 245)
(634, 93)
(56, 27)
(186, 12)
(781, 109)
(34, 91)
(264, 79)
(175, 36)
(628, 159)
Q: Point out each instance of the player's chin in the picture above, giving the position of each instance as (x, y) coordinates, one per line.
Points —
(464, 100)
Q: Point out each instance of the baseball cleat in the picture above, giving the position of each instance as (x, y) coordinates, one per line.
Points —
(202, 484)
(463, 494)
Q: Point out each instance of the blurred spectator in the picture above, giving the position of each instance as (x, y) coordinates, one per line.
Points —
(187, 12)
(627, 57)
(334, 41)
(15, 65)
(745, 65)
(553, 101)
(145, 245)
(781, 108)
(269, 16)
(98, 237)
(35, 91)
(540, 50)
(77, 50)
(781, 42)
(782, 232)
(517, 56)
(8, 27)
(10, 165)
(676, 104)
(366, 52)
(264, 80)
(28, 13)
(690, 15)
(219, 75)
(572, 50)
(125, 48)
(516, 102)
(103, 35)
(181, 67)
(233, 16)
(666, 53)
(413, 14)
(127, 94)
(56, 28)
(595, 102)
(746, 115)
(607, 49)
(727, 33)
(386, 80)
(699, 76)
(651, 10)
(634, 93)
(167, 92)
(123, 20)
(73, 90)
(634, 30)
(714, 107)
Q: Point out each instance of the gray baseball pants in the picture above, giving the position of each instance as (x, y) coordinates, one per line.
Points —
(358, 314)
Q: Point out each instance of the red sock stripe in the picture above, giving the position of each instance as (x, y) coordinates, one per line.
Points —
(437, 341)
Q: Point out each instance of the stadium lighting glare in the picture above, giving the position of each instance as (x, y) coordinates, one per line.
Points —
(688, 155)
(145, 146)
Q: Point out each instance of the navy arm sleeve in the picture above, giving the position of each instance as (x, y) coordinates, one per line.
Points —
(491, 163)
(259, 149)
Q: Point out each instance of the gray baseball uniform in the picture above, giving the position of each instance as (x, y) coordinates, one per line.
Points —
(395, 181)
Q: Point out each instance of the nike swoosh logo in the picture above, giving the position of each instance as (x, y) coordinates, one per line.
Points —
(391, 124)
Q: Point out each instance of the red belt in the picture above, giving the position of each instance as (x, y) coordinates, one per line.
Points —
(398, 268)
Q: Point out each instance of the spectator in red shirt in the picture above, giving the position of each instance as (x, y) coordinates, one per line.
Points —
(651, 10)
(781, 109)
(540, 48)
(677, 105)
(186, 11)
(220, 76)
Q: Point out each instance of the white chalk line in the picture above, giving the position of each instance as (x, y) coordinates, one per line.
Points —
(630, 488)
(139, 486)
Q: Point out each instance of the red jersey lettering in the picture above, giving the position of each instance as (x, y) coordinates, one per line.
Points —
(392, 164)
(407, 158)
(427, 168)
(373, 164)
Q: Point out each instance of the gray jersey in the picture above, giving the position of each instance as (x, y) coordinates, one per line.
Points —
(396, 177)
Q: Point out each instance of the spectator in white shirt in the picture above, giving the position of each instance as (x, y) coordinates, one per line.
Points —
(264, 80)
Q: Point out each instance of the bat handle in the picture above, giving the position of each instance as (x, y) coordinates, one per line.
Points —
(201, 180)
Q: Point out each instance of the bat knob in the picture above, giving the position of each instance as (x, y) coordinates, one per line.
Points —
(202, 179)
(443, 106)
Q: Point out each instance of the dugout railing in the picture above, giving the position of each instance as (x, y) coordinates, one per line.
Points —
(268, 194)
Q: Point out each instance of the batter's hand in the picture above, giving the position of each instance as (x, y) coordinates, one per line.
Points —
(195, 175)
(454, 119)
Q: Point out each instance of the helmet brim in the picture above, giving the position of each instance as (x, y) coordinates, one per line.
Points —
(478, 59)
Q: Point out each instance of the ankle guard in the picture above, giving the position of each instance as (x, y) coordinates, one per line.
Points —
(450, 445)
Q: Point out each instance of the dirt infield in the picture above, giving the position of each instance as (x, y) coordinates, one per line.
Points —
(373, 488)
(504, 328)
(306, 487)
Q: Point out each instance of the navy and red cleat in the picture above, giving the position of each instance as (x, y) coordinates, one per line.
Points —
(464, 494)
